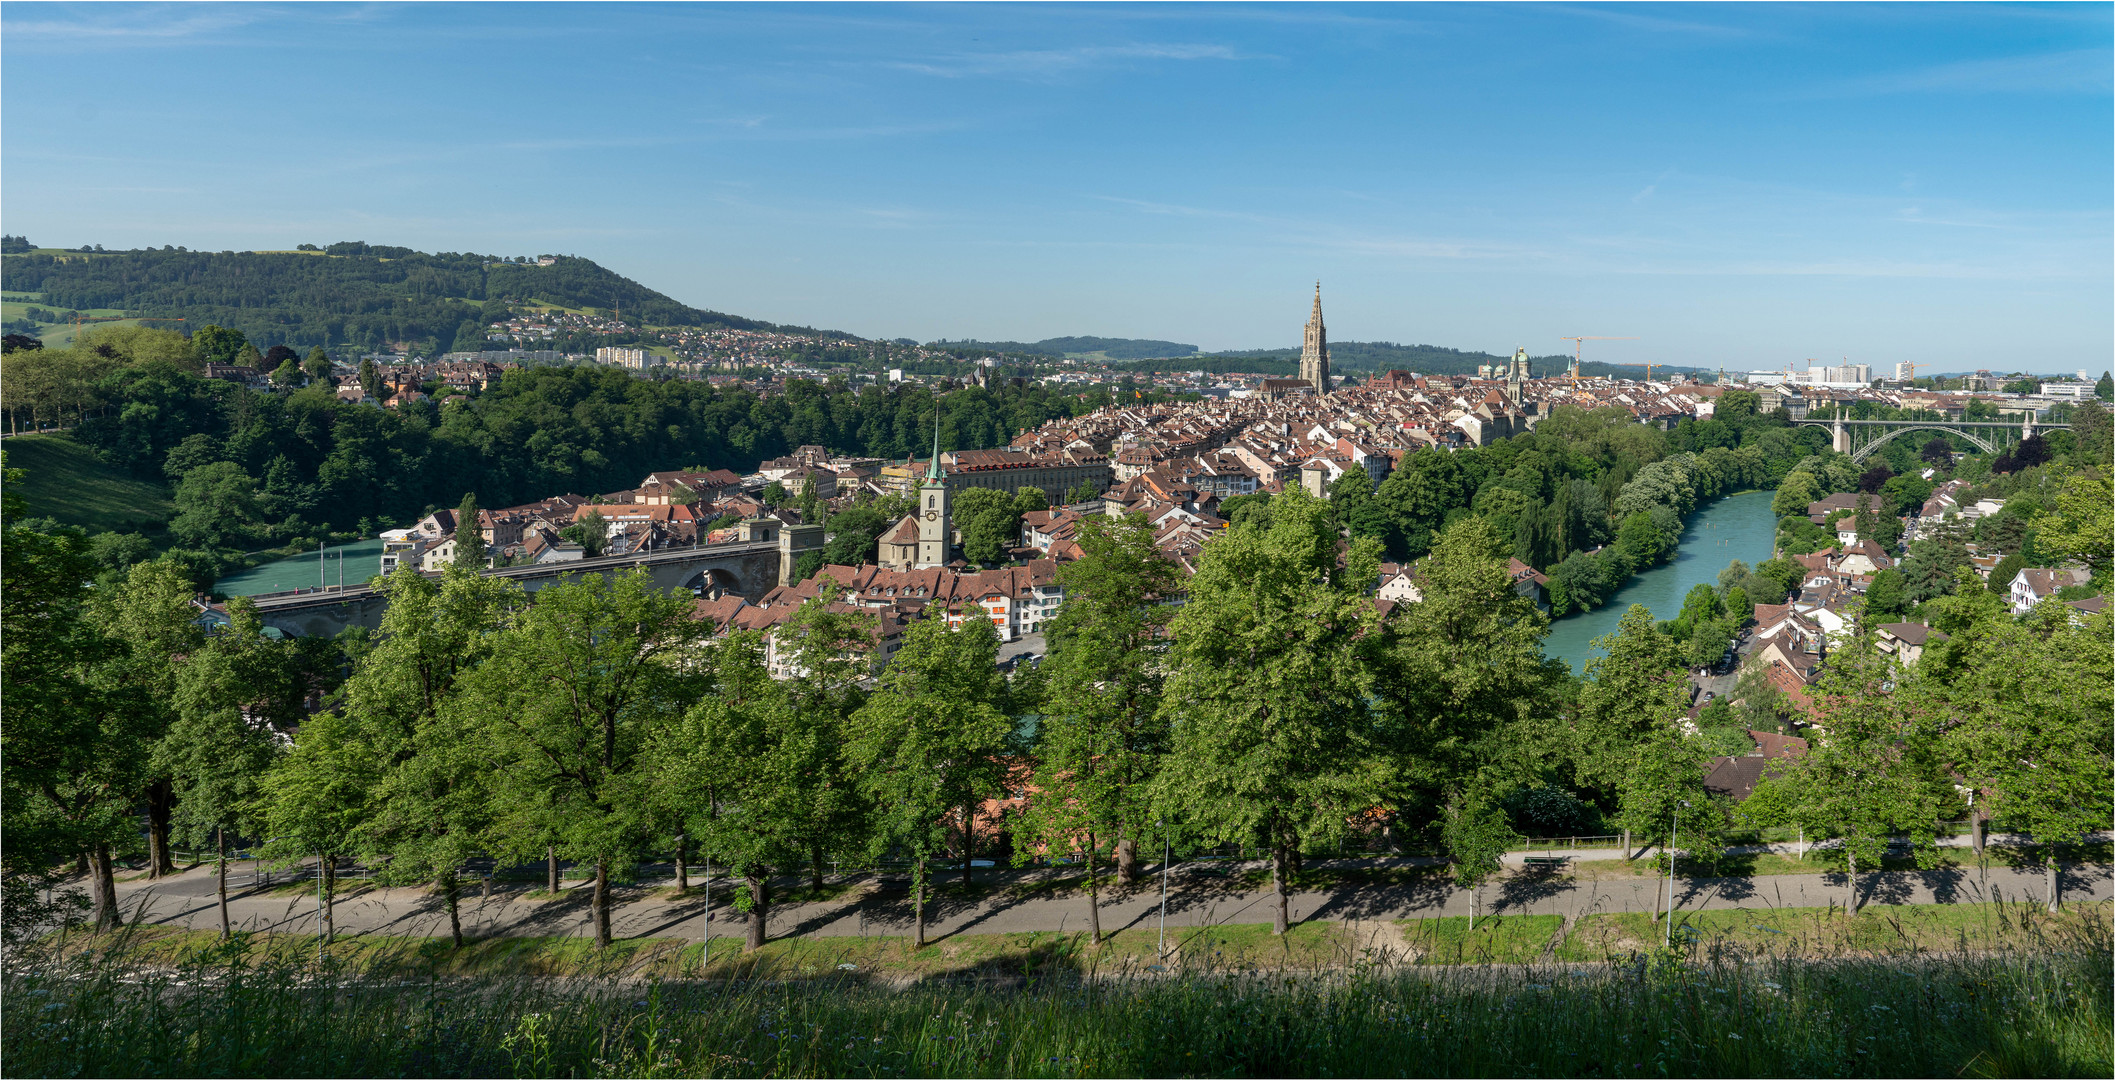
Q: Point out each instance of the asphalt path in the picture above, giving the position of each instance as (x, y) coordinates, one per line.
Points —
(1008, 901)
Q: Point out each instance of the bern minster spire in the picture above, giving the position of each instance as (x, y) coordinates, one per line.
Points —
(1314, 349)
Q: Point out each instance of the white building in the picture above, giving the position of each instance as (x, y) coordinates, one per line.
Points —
(619, 356)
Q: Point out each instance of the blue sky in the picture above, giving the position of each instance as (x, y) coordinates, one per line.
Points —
(1737, 185)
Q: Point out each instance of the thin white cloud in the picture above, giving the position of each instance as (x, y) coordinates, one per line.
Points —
(2077, 71)
(1041, 63)
(1651, 23)
(129, 25)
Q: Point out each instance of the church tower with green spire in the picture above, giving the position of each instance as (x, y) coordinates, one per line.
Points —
(933, 525)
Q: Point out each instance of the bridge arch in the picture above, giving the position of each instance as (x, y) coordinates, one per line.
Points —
(1866, 451)
(714, 582)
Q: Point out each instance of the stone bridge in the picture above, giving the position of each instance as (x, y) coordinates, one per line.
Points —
(749, 567)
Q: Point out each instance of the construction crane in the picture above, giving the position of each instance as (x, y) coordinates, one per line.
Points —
(1578, 341)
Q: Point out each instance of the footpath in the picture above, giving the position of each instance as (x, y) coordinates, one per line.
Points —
(1008, 901)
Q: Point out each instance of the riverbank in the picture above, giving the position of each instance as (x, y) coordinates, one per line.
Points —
(1737, 526)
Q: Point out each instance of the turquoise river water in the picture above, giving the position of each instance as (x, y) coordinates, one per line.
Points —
(360, 561)
(1735, 527)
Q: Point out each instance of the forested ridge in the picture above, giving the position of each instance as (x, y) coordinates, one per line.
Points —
(349, 294)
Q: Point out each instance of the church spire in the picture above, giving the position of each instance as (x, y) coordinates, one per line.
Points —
(1314, 349)
(932, 472)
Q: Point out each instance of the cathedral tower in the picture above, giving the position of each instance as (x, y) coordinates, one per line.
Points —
(933, 524)
(1314, 349)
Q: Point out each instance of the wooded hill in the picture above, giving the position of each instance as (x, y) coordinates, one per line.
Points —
(348, 294)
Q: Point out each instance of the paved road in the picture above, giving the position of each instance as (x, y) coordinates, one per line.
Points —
(1198, 896)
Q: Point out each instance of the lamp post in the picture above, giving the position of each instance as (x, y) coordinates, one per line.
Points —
(1167, 855)
(1672, 830)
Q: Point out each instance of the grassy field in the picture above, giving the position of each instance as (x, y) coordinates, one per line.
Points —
(236, 1012)
(1826, 932)
(65, 480)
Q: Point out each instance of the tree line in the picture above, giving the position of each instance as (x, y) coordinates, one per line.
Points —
(601, 724)
(253, 467)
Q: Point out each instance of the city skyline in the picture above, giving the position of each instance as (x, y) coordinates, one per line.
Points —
(1737, 186)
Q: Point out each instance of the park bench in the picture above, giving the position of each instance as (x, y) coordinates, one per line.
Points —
(1546, 860)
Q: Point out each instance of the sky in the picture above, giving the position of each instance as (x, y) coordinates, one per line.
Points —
(1745, 186)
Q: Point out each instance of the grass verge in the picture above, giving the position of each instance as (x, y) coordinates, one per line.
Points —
(1819, 933)
(230, 1012)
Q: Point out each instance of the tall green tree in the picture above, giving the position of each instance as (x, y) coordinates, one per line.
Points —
(1636, 690)
(2028, 703)
(149, 612)
(317, 797)
(1466, 682)
(1102, 734)
(933, 741)
(756, 769)
(576, 687)
(235, 697)
(1270, 700)
(469, 537)
(76, 743)
(429, 808)
(1878, 772)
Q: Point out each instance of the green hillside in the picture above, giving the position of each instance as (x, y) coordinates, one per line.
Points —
(65, 480)
(349, 294)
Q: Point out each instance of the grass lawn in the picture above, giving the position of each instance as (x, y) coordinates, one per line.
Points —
(1496, 939)
(1826, 932)
(1821, 861)
(65, 480)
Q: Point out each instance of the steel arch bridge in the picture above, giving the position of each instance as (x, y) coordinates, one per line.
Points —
(1987, 436)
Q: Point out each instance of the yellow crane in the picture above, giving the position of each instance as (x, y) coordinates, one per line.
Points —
(1578, 341)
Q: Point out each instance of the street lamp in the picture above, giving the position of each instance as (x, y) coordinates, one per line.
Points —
(1672, 830)
(1166, 856)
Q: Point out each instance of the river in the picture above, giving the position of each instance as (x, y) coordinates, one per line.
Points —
(361, 561)
(1735, 527)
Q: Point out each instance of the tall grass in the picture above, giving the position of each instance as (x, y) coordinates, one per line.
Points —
(234, 1011)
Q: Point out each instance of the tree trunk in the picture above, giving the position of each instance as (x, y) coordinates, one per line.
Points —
(682, 868)
(1094, 903)
(1626, 845)
(1388, 837)
(815, 871)
(330, 899)
(550, 854)
(220, 841)
(2055, 898)
(449, 891)
(918, 902)
(601, 904)
(105, 887)
(1127, 859)
(1975, 831)
(969, 837)
(759, 908)
(1280, 875)
(1851, 857)
(161, 803)
(80, 862)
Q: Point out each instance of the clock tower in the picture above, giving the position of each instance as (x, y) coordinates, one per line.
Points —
(933, 525)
